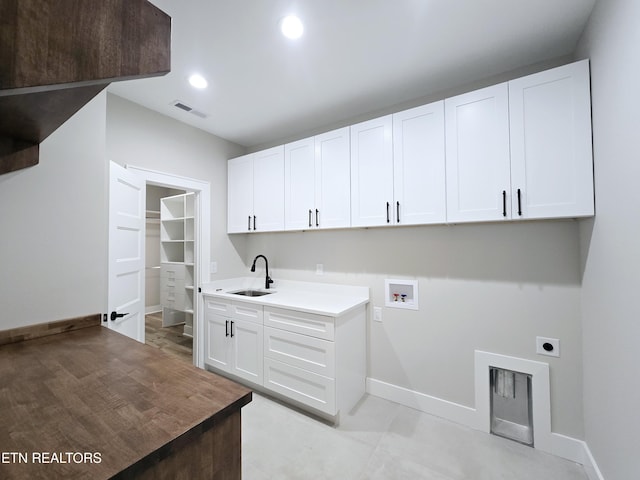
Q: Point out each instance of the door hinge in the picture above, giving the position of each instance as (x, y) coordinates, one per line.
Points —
(199, 290)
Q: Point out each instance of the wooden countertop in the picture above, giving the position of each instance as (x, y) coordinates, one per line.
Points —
(97, 393)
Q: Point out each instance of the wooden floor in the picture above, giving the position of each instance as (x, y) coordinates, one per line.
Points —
(168, 339)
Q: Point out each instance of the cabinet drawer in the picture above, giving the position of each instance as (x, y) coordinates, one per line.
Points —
(213, 305)
(172, 272)
(318, 326)
(247, 311)
(308, 388)
(172, 284)
(310, 353)
(171, 299)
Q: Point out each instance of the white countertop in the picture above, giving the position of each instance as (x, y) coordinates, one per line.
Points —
(319, 298)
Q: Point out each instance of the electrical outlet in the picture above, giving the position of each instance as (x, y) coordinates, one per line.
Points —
(213, 267)
(548, 346)
(319, 269)
(377, 314)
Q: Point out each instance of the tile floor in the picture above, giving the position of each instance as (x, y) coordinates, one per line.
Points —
(381, 440)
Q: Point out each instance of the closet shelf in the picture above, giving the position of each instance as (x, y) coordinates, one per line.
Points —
(177, 257)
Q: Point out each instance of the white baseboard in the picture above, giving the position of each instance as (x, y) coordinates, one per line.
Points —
(562, 446)
(152, 309)
(590, 465)
(423, 402)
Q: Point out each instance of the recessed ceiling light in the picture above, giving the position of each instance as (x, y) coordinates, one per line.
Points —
(198, 81)
(291, 27)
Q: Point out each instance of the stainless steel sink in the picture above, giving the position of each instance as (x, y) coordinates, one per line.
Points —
(251, 293)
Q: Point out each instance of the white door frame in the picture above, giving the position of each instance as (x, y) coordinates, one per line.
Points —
(202, 192)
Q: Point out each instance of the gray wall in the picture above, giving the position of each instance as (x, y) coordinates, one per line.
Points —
(492, 287)
(138, 136)
(611, 252)
(53, 218)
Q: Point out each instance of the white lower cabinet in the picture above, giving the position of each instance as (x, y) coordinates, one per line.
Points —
(234, 336)
(298, 384)
(312, 354)
(301, 367)
(318, 361)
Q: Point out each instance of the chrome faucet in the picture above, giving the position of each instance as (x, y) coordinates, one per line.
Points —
(267, 280)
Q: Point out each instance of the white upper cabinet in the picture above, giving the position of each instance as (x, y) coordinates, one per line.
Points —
(477, 148)
(419, 165)
(551, 157)
(516, 150)
(256, 192)
(522, 149)
(372, 173)
(317, 182)
(299, 184)
(333, 179)
(240, 194)
(268, 189)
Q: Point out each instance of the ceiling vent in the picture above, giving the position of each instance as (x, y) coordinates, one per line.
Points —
(187, 108)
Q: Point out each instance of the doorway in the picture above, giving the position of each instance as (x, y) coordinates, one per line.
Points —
(165, 327)
(160, 184)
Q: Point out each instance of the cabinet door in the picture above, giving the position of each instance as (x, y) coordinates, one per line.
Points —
(247, 340)
(268, 189)
(333, 179)
(240, 194)
(477, 151)
(551, 158)
(217, 340)
(419, 165)
(371, 172)
(299, 184)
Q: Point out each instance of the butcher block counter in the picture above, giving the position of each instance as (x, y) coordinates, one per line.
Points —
(92, 403)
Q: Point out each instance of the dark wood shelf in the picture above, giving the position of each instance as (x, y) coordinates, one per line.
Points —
(55, 56)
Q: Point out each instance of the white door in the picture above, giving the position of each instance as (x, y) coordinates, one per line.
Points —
(126, 252)
(371, 172)
(419, 165)
(551, 158)
(299, 184)
(333, 179)
(478, 159)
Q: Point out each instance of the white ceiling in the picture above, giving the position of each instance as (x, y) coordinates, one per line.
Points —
(356, 56)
